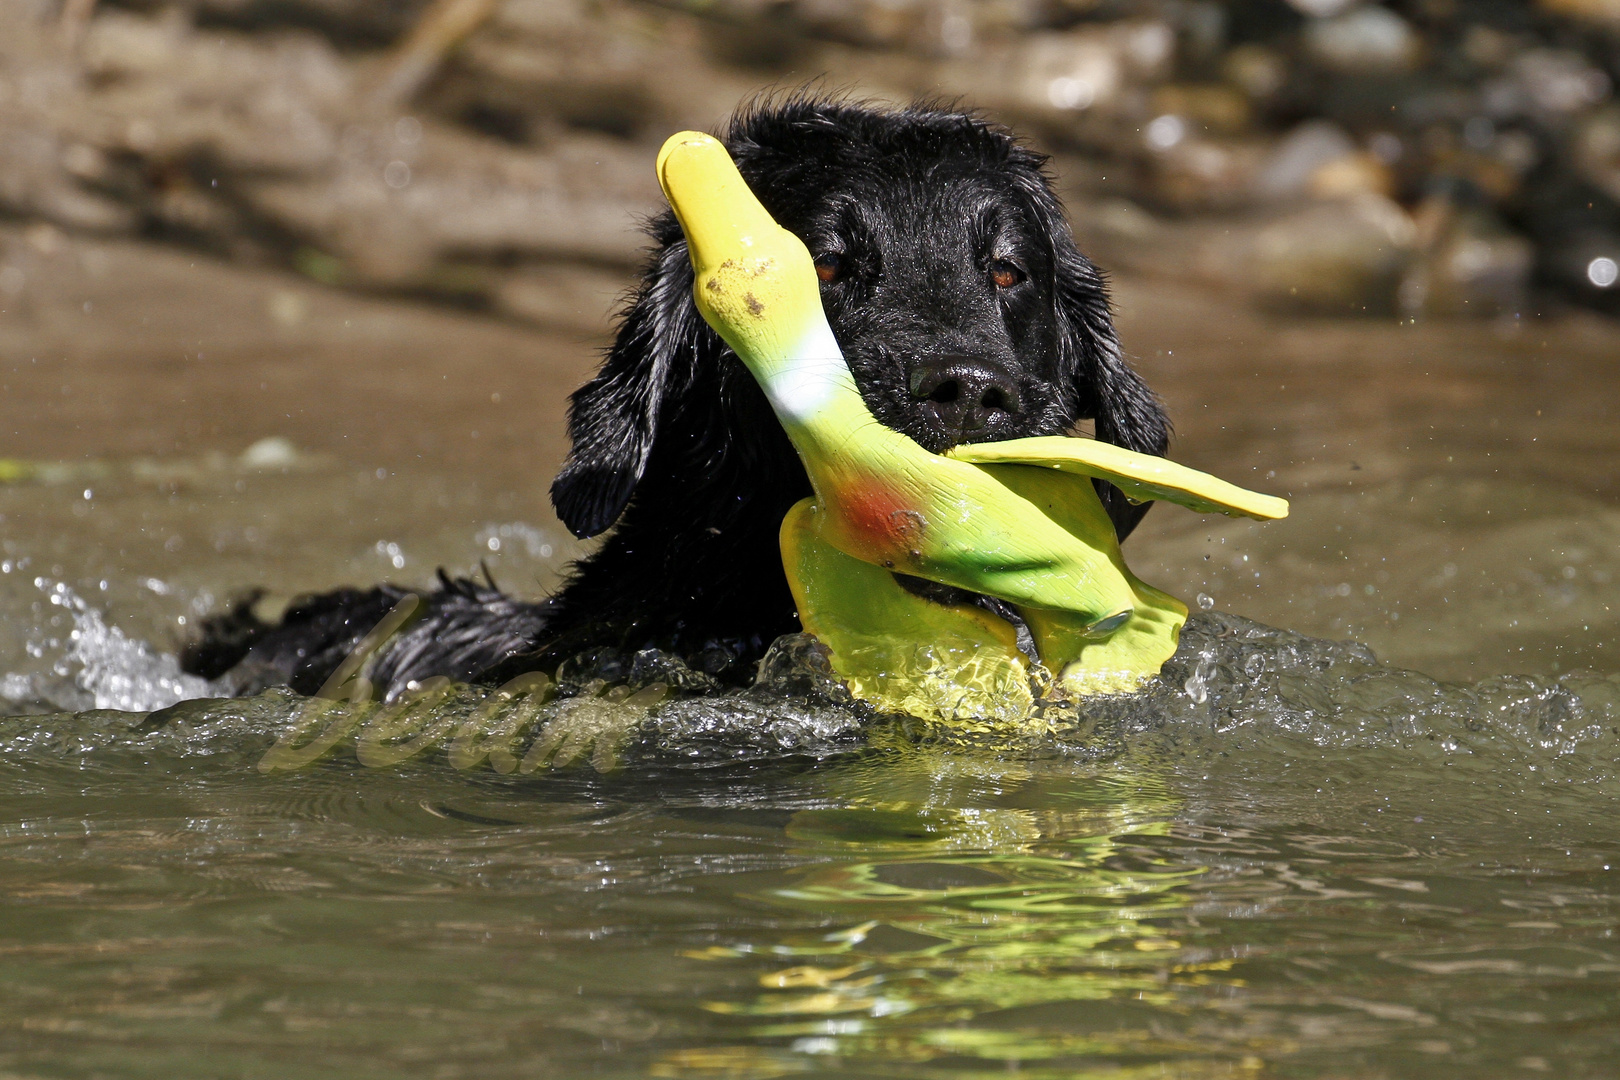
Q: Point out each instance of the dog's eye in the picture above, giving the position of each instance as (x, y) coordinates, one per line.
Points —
(829, 266)
(1005, 274)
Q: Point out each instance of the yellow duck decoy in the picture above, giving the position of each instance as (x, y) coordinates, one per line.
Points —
(1019, 521)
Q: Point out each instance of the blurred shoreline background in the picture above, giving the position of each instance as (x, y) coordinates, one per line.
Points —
(1413, 159)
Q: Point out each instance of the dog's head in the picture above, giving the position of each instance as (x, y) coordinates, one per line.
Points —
(949, 276)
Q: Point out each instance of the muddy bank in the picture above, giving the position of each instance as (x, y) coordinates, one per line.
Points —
(1416, 160)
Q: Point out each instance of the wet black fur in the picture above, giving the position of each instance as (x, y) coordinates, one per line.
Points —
(674, 443)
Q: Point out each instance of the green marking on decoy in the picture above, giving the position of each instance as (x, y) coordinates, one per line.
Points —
(1019, 521)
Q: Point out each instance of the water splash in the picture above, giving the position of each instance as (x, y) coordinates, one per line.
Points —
(1197, 686)
(1235, 683)
(1234, 688)
(95, 666)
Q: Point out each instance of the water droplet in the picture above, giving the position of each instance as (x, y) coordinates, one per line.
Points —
(1165, 132)
(1206, 601)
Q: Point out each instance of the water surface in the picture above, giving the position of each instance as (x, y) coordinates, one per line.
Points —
(1293, 857)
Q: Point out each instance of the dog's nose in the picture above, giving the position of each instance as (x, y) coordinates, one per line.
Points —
(965, 395)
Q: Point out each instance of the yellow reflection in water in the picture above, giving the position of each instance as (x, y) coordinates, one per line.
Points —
(971, 931)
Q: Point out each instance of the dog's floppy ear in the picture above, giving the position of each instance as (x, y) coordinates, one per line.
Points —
(613, 419)
(1106, 388)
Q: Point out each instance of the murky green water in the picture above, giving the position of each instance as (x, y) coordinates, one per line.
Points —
(1286, 861)
(1289, 859)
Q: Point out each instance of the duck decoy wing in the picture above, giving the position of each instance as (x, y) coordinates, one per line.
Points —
(1141, 477)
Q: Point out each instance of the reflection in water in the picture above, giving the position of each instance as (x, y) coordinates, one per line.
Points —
(1027, 918)
(1004, 935)
(1216, 893)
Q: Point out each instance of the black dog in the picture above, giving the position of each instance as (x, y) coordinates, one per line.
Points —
(966, 313)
